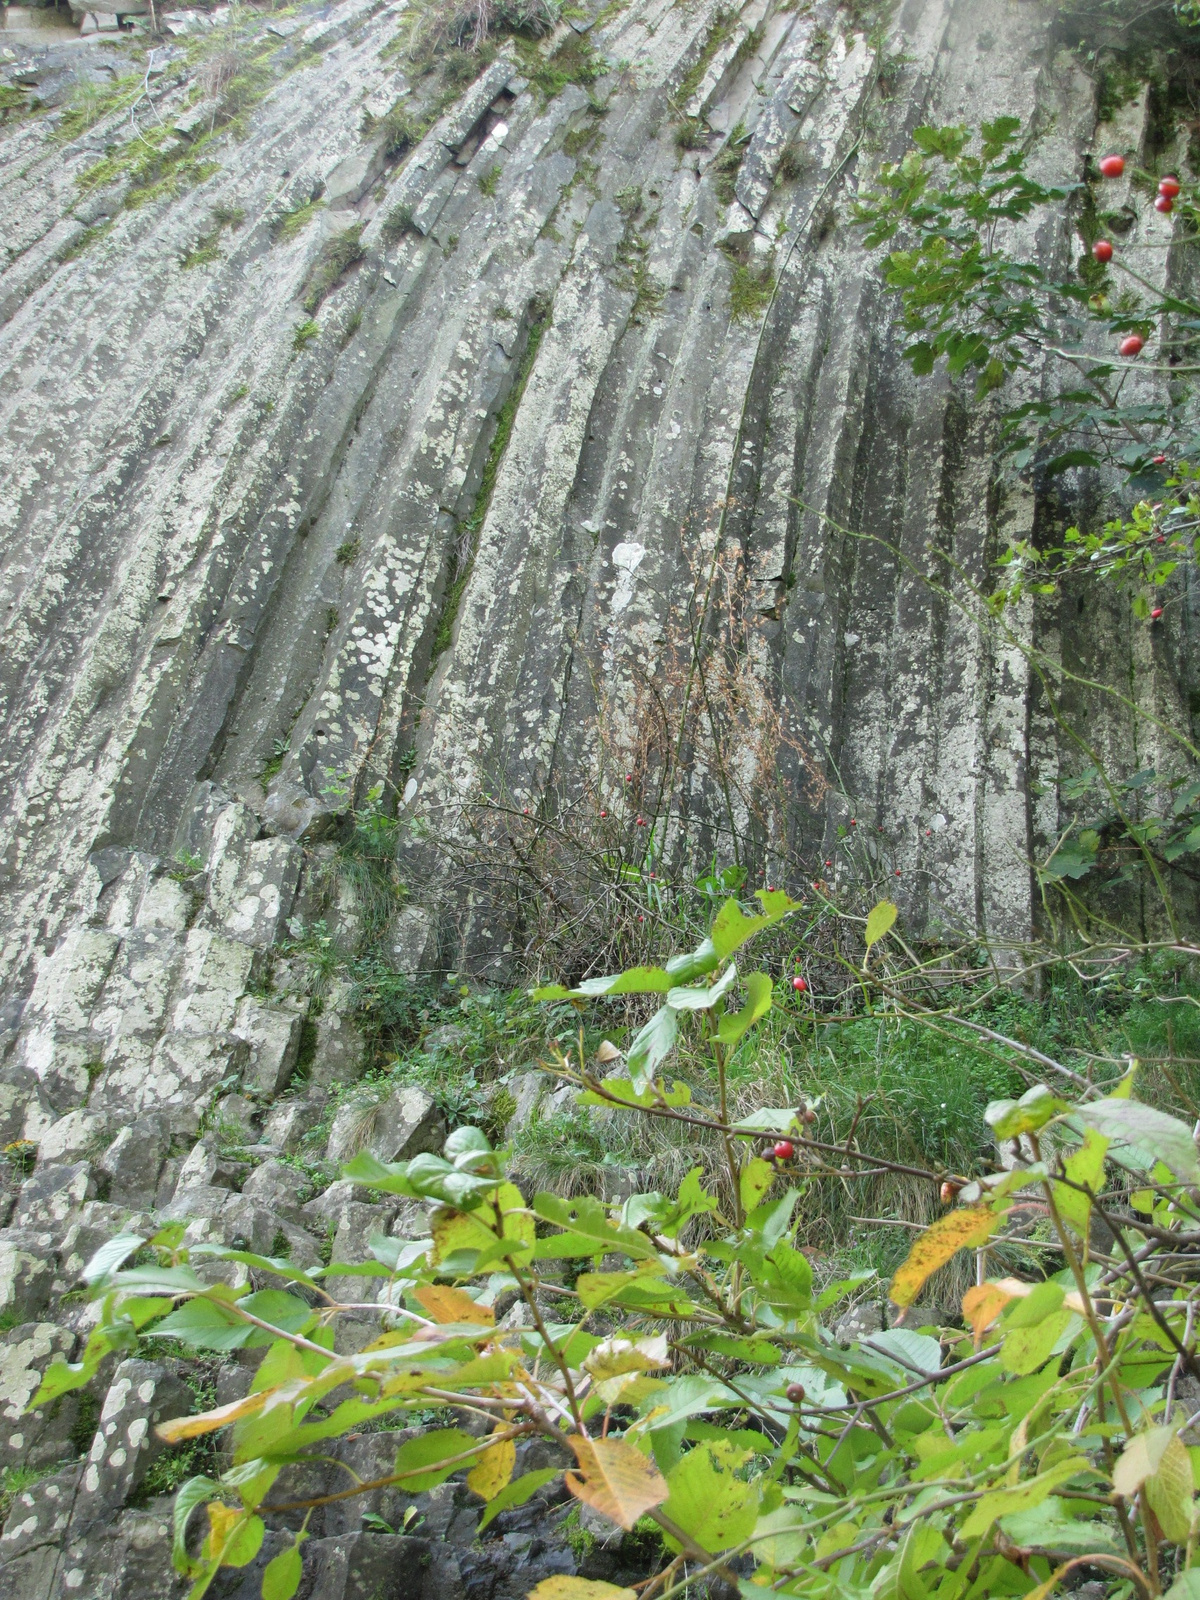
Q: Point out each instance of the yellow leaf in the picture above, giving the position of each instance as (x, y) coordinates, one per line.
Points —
(180, 1428)
(492, 1471)
(1140, 1459)
(221, 1522)
(563, 1588)
(617, 1356)
(445, 1304)
(982, 1305)
(957, 1230)
(617, 1480)
(1169, 1491)
(879, 922)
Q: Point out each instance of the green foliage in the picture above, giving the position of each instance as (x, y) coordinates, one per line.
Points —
(337, 255)
(207, 246)
(292, 222)
(489, 180)
(970, 302)
(304, 332)
(751, 290)
(574, 60)
(722, 28)
(690, 1378)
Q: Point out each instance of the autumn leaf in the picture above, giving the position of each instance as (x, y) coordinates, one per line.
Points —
(617, 1480)
(564, 1588)
(493, 1470)
(445, 1304)
(982, 1305)
(180, 1428)
(958, 1230)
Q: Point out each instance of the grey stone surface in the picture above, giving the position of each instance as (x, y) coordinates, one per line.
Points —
(33, 1438)
(396, 1127)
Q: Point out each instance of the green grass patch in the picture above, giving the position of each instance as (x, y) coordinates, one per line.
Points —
(721, 30)
(575, 60)
(750, 291)
(295, 219)
(335, 258)
(304, 332)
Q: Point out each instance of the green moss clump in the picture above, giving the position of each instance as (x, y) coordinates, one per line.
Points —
(336, 257)
(294, 221)
(751, 290)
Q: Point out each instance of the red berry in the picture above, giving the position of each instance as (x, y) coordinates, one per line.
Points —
(928, 833)
(1132, 345)
(829, 863)
(800, 985)
(897, 871)
(629, 777)
(1112, 166)
(784, 1150)
(1156, 613)
(854, 822)
(1169, 187)
(795, 1393)
(1158, 460)
(808, 1115)
(949, 1193)
(604, 813)
(1164, 203)
(641, 822)
(1102, 250)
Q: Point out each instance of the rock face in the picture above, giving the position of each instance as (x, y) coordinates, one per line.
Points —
(244, 574)
(368, 432)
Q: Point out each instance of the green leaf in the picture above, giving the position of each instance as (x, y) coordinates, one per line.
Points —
(1152, 1133)
(1186, 1586)
(879, 921)
(732, 928)
(708, 1500)
(1051, 1527)
(1021, 1497)
(637, 980)
(1084, 1166)
(735, 1024)
(110, 1256)
(195, 1492)
(1010, 1118)
(1040, 1303)
(426, 1460)
(692, 998)
(517, 1493)
(651, 1046)
(588, 1231)
(1026, 1349)
(205, 1325)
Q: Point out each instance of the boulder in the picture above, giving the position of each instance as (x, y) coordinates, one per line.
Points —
(33, 1438)
(403, 1124)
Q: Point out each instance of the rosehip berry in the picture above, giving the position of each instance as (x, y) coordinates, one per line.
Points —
(641, 822)
(854, 822)
(1102, 250)
(629, 777)
(604, 813)
(1112, 166)
(784, 1150)
(1133, 345)
(828, 863)
(949, 1193)
(1156, 613)
(808, 1116)
(1158, 460)
(1169, 186)
(800, 985)
(1164, 203)
(897, 871)
(795, 1393)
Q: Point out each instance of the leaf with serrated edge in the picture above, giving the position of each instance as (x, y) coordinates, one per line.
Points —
(1140, 1459)
(492, 1471)
(879, 921)
(445, 1304)
(959, 1230)
(615, 1479)
(564, 1588)
(1169, 1491)
(516, 1493)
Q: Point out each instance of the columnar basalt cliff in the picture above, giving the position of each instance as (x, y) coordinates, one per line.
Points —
(371, 434)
